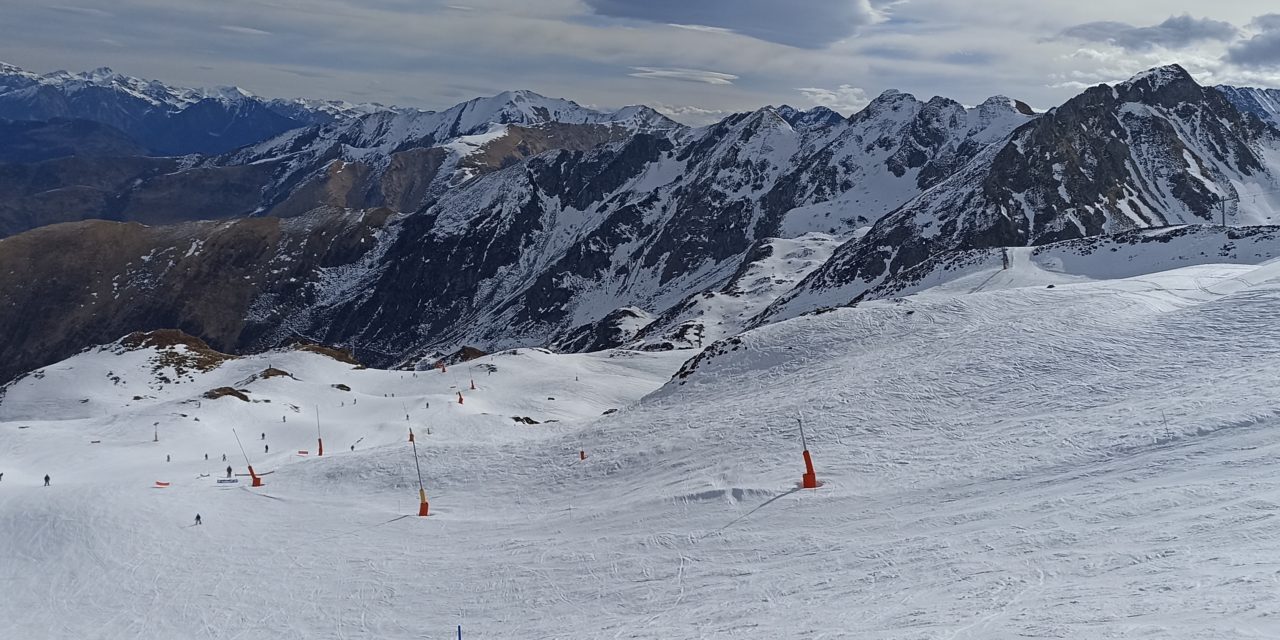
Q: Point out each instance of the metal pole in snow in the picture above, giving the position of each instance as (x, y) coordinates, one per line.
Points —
(256, 481)
(422, 491)
(459, 632)
(319, 438)
(415, 461)
(810, 478)
(246, 456)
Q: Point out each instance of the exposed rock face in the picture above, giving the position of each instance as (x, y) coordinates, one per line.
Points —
(405, 160)
(614, 330)
(520, 220)
(1153, 151)
(106, 279)
(398, 159)
(1263, 103)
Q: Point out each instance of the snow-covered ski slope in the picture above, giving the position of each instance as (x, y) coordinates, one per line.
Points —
(1094, 460)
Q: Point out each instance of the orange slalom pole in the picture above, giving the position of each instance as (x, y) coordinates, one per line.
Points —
(810, 479)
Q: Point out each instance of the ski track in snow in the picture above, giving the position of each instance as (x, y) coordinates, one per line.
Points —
(995, 459)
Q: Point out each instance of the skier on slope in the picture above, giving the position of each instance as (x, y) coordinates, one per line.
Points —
(266, 448)
(198, 519)
(228, 471)
(46, 479)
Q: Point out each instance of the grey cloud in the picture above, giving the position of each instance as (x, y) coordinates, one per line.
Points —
(1266, 22)
(814, 25)
(970, 58)
(1174, 33)
(890, 52)
(84, 11)
(1262, 51)
(304, 73)
(1259, 52)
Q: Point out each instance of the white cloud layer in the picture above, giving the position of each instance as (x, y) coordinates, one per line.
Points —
(691, 115)
(845, 98)
(246, 31)
(685, 75)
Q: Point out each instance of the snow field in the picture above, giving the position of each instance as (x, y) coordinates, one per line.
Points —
(1089, 461)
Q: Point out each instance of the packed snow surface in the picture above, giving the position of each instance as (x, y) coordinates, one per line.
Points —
(1092, 460)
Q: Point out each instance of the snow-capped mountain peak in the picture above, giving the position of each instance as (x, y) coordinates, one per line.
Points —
(1158, 77)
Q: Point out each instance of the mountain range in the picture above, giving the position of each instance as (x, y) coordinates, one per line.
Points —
(521, 220)
(163, 119)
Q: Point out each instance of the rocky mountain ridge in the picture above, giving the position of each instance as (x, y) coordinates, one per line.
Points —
(520, 220)
(1154, 151)
(164, 119)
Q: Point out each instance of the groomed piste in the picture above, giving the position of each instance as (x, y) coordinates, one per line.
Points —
(997, 458)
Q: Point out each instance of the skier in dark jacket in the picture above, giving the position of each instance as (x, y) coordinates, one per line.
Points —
(228, 471)
(46, 479)
(198, 519)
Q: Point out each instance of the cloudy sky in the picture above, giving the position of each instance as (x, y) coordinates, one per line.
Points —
(695, 59)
